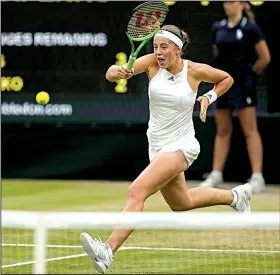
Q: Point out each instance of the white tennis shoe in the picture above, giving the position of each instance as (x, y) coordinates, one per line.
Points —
(242, 198)
(100, 252)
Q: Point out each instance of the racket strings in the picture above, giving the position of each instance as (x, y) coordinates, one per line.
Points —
(145, 20)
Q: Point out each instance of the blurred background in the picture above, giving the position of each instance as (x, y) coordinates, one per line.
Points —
(93, 129)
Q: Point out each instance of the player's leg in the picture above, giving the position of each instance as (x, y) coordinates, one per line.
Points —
(221, 147)
(248, 120)
(179, 198)
(160, 171)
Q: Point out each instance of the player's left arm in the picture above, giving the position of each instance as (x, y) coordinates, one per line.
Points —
(222, 82)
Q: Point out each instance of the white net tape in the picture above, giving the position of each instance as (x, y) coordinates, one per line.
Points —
(187, 242)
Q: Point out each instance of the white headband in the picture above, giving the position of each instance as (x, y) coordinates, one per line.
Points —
(169, 35)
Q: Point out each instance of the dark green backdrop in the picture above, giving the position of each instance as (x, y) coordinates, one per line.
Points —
(118, 151)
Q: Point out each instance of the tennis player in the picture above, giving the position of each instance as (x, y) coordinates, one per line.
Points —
(240, 49)
(173, 147)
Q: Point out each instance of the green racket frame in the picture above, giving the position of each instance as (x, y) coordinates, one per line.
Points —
(134, 53)
(144, 41)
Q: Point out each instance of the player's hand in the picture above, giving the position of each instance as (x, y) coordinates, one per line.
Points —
(124, 73)
(204, 103)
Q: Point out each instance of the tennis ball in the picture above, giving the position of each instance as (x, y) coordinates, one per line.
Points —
(170, 3)
(204, 3)
(42, 98)
(257, 3)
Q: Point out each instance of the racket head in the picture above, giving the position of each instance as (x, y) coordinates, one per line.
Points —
(146, 20)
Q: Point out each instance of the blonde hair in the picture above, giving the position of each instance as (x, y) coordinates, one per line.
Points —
(180, 33)
(249, 13)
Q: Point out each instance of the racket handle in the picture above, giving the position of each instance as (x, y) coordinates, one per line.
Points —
(131, 62)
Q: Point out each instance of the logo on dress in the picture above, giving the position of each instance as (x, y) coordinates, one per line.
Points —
(171, 78)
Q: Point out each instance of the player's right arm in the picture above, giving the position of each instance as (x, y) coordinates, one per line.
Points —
(141, 65)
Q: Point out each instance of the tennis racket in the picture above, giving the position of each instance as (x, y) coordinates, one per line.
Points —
(143, 24)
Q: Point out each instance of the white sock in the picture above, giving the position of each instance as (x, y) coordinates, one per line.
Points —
(257, 175)
(235, 198)
(216, 173)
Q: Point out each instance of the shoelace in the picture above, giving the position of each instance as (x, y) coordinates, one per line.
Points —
(243, 205)
(106, 246)
(100, 240)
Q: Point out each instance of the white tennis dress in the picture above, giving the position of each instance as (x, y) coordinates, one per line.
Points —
(171, 115)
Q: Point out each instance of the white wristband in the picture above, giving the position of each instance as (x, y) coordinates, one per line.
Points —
(211, 95)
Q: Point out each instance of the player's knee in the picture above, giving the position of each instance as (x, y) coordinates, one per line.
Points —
(180, 208)
(136, 193)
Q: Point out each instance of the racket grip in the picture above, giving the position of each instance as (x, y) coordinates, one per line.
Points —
(131, 62)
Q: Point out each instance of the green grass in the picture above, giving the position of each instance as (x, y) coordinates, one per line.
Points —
(108, 196)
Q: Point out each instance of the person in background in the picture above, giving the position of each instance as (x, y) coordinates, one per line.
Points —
(240, 49)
